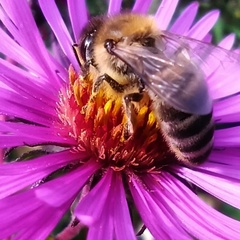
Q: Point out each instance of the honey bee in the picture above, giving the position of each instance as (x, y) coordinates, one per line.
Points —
(134, 57)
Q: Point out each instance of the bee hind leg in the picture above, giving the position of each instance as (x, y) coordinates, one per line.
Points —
(130, 112)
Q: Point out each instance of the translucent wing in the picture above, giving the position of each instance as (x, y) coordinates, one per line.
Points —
(175, 69)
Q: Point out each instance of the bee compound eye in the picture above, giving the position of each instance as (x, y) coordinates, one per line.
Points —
(109, 45)
(86, 47)
(148, 42)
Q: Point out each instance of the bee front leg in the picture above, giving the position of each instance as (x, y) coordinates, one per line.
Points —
(114, 84)
(129, 109)
(128, 99)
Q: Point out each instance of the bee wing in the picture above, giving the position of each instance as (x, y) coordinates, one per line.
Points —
(175, 69)
(207, 56)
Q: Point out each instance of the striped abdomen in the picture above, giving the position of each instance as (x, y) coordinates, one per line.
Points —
(190, 137)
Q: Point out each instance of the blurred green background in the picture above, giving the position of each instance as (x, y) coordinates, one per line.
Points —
(228, 23)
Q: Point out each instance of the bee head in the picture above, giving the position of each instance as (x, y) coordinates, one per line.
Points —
(87, 40)
(104, 33)
(124, 30)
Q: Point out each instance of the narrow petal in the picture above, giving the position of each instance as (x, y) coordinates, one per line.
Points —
(165, 12)
(18, 78)
(226, 188)
(19, 175)
(16, 50)
(204, 25)
(122, 222)
(216, 64)
(108, 194)
(155, 216)
(36, 104)
(185, 20)
(103, 229)
(195, 216)
(227, 42)
(114, 6)
(59, 28)
(26, 83)
(54, 193)
(86, 210)
(226, 157)
(223, 162)
(37, 214)
(226, 106)
(229, 137)
(208, 38)
(28, 36)
(78, 15)
(141, 6)
(45, 224)
(18, 134)
(220, 89)
(16, 110)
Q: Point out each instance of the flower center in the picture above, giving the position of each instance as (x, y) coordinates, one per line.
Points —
(98, 124)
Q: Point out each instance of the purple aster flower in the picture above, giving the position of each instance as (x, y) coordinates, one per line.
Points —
(88, 167)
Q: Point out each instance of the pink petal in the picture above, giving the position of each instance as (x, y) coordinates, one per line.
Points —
(16, 110)
(227, 42)
(141, 6)
(217, 184)
(46, 223)
(114, 6)
(16, 50)
(28, 36)
(153, 213)
(226, 157)
(227, 106)
(229, 137)
(185, 20)
(122, 222)
(220, 88)
(112, 212)
(204, 25)
(25, 83)
(219, 165)
(17, 134)
(54, 193)
(165, 12)
(27, 215)
(207, 38)
(18, 175)
(78, 15)
(105, 231)
(36, 105)
(86, 210)
(195, 216)
(59, 28)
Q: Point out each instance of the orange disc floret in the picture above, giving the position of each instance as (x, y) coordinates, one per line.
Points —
(97, 122)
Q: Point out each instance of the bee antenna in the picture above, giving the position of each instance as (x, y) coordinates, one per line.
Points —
(76, 50)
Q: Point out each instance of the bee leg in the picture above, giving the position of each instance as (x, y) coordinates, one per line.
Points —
(114, 84)
(129, 109)
(141, 85)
